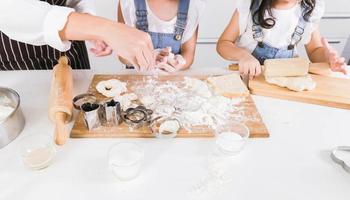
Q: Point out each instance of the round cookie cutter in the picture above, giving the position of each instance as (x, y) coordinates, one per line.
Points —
(81, 99)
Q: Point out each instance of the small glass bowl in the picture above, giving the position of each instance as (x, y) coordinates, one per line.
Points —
(125, 160)
(37, 151)
(231, 138)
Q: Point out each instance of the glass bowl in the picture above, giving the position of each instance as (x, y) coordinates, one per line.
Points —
(37, 151)
(231, 138)
(125, 160)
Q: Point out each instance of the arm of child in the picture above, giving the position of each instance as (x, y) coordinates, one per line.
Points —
(226, 47)
(319, 50)
(184, 60)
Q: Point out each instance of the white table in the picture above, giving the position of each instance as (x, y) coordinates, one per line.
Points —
(292, 164)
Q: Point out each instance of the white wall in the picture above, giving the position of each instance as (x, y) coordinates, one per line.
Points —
(215, 18)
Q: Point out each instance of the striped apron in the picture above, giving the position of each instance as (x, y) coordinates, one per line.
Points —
(16, 55)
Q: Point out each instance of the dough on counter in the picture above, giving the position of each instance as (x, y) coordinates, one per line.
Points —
(169, 127)
(111, 88)
(126, 100)
(198, 87)
(298, 84)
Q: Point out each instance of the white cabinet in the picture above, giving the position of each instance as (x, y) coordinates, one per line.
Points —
(215, 18)
(206, 55)
(337, 7)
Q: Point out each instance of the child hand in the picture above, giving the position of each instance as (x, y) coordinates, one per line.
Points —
(248, 65)
(163, 55)
(100, 48)
(178, 62)
(337, 63)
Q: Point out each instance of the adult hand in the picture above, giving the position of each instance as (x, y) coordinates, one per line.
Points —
(131, 44)
(336, 62)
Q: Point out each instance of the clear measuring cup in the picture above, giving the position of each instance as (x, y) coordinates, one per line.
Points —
(231, 138)
(125, 160)
(37, 151)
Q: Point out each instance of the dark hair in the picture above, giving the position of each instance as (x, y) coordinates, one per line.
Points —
(266, 5)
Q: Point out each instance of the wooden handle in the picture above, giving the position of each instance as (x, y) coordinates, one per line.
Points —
(322, 69)
(61, 134)
(233, 67)
(61, 96)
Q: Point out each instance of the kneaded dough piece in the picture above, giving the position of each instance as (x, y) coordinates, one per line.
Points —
(111, 88)
(298, 84)
(198, 87)
(126, 100)
(170, 126)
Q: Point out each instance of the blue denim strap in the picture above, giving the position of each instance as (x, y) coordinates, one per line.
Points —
(181, 21)
(258, 34)
(141, 15)
(298, 32)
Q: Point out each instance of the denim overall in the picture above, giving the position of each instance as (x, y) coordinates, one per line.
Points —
(264, 51)
(163, 40)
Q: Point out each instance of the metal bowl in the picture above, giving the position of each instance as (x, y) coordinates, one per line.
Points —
(13, 124)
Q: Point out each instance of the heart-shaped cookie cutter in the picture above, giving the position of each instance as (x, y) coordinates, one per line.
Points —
(338, 160)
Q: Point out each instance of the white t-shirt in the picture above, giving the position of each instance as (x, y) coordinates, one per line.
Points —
(286, 21)
(157, 25)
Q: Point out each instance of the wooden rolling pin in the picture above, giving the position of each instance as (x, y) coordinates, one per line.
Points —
(322, 69)
(61, 95)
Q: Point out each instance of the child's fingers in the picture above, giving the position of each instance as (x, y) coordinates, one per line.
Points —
(167, 68)
(258, 70)
(162, 53)
(325, 43)
(252, 72)
(106, 52)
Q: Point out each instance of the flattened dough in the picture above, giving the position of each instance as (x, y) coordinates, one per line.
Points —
(111, 88)
(298, 84)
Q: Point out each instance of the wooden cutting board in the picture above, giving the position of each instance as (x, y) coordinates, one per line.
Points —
(252, 117)
(330, 91)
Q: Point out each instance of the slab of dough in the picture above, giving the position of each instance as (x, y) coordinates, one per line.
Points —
(298, 84)
(230, 86)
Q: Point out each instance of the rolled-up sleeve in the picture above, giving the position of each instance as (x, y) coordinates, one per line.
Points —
(36, 22)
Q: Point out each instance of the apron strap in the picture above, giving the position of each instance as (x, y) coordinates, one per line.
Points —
(141, 15)
(298, 32)
(258, 34)
(181, 21)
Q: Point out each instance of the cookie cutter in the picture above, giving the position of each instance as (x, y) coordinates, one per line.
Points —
(340, 161)
(112, 113)
(92, 115)
(79, 100)
(137, 117)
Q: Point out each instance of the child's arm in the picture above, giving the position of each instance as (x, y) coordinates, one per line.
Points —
(226, 47)
(319, 50)
(188, 51)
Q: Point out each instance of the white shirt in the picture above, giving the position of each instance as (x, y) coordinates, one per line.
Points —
(38, 23)
(157, 25)
(280, 35)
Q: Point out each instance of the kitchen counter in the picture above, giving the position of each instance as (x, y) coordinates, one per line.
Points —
(293, 163)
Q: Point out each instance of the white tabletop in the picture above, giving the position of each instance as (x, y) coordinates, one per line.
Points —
(293, 163)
